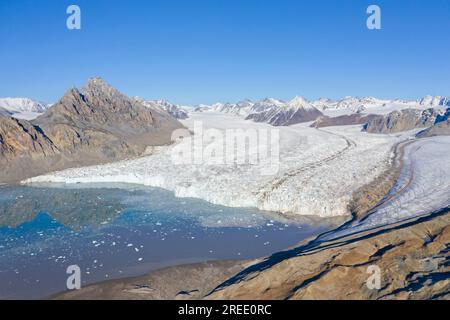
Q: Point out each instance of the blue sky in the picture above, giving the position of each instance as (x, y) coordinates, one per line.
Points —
(197, 51)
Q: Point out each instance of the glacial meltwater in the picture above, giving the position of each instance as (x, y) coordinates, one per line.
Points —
(116, 231)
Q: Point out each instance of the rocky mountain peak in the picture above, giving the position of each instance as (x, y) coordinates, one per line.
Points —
(99, 88)
(94, 125)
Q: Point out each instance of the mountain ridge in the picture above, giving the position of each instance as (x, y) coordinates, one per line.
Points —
(96, 125)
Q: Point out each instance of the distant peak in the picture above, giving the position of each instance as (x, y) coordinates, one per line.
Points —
(98, 87)
(298, 100)
(97, 82)
(272, 101)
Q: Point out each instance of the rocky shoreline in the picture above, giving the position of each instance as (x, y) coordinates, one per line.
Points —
(412, 256)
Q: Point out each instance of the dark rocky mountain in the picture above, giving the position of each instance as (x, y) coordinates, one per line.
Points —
(95, 125)
(440, 128)
(402, 120)
(397, 121)
(298, 110)
(344, 120)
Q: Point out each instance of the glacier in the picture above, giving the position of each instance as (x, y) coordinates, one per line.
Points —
(319, 170)
(422, 188)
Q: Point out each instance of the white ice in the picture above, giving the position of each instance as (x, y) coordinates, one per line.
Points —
(318, 172)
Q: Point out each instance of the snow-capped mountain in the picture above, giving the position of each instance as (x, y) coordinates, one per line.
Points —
(23, 108)
(175, 110)
(267, 104)
(349, 105)
(279, 113)
(323, 103)
(202, 108)
(242, 108)
(22, 105)
(300, 102)
(270, 110)
(430, 101)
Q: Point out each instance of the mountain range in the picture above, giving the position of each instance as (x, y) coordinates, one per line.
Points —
(22, 108)
(176, 111)
(298, 110)
(377, 115)
(269, 110)
(96, 124)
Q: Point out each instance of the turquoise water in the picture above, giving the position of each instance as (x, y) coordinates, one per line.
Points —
(113, 231)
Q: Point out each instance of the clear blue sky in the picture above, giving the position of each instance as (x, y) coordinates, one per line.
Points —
(192, 51)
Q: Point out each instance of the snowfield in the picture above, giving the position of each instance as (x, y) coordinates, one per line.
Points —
(318, 170)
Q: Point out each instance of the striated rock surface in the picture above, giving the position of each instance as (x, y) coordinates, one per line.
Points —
(95, 125)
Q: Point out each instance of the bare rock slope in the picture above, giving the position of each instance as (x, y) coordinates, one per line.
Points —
(95, 125)
(344, 120)
(402, 120)
(413, 260)
(440, 128)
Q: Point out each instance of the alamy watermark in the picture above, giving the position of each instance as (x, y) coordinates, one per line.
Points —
(374, 281)
(209, 146)
(74, 280)
(73, 22)
(374, 20)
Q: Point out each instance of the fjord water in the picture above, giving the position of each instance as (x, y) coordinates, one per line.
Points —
(116, 231)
